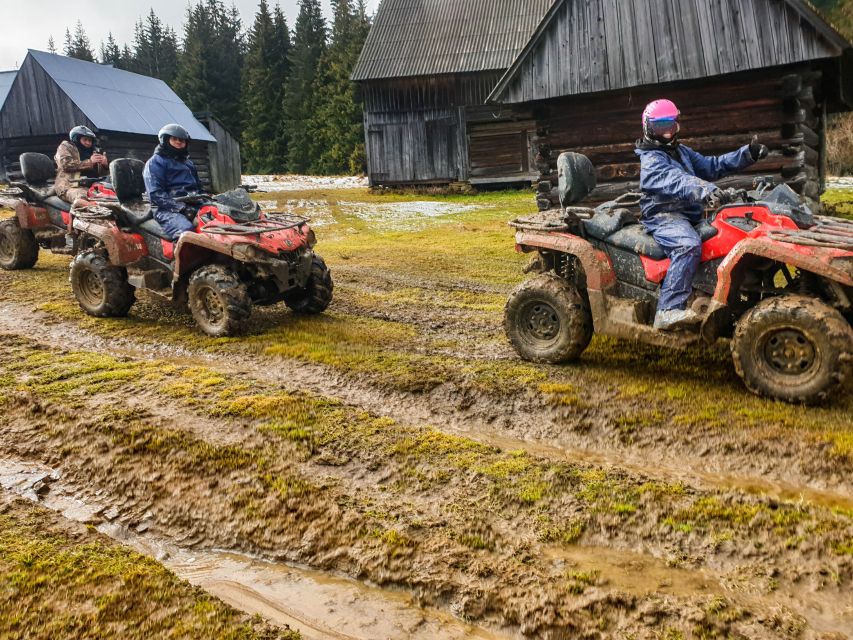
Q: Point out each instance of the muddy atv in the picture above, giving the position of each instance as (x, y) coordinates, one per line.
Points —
(237, 257)
(42, 219)
(774, 278)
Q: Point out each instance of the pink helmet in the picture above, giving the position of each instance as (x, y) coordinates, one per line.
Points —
(660, 120)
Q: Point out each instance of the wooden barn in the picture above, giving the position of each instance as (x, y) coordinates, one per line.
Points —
(579, 79)
(50, 94)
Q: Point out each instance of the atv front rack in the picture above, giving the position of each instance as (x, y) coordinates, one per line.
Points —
(278, 222)
(828, 233)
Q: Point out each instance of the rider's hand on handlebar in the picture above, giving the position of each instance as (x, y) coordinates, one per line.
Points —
(757, 150)
(721, 197)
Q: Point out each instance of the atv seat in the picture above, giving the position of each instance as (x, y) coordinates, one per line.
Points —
(620, 227)
(153, 227)
(57, 203)
(126, 179)
(39, 173)
(636, 239)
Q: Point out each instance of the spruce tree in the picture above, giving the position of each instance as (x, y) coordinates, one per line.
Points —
(336, 126)
(155, 51)
(78, 46)
(110, 52)
(262, 85)
(281, 69)
(309, 43)
(51, 45)
(209, 70)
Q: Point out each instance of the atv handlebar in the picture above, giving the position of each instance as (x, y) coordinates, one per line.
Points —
(194, 198)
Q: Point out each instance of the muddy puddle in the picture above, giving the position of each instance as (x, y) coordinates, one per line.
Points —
(321, 606)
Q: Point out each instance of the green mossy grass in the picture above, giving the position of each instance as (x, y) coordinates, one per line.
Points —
(301, 428)
(57, 584)
(464, 261)
(839, 202)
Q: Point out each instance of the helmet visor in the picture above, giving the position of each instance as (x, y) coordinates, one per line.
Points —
(664, 127)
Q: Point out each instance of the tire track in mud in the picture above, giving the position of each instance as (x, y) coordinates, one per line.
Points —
(138, 487)
(510, 422)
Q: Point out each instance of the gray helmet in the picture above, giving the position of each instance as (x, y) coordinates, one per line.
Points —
(80, 132)
(173, 131)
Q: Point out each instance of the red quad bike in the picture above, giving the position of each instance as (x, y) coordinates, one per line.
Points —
(236, 257)
(773, 277)
(42, 219)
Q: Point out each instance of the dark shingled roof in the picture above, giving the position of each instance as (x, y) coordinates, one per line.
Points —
(6, 80)
(432, 37)
(120, 101)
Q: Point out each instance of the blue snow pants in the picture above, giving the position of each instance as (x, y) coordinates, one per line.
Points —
(682, 245)
(174, 224)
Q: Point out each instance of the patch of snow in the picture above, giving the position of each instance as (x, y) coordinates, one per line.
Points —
(403, 216)
(305, 183)
(842, 182)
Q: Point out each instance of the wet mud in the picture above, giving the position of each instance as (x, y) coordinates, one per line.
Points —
(559, 502)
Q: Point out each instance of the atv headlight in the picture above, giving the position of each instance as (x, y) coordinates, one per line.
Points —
(845, 264)
(246, 252)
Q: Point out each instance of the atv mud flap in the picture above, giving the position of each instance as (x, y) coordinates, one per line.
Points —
(122, 248)
(289, 275)
(32, 217)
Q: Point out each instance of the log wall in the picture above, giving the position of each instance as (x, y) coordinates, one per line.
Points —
(138, 147)
(784, 107)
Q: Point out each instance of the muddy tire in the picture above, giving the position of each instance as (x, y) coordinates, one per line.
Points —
(219, 301)
(317, 295)
(101, 289)
(547, 320)
(793, 348)
(18, 247)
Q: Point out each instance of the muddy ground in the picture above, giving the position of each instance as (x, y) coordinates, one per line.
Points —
(396, 445)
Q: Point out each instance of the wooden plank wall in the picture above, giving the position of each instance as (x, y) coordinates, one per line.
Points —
(37, 106)
(784, 107)
(603, 45)
(224, 156)
(415, 147)
(435, 130)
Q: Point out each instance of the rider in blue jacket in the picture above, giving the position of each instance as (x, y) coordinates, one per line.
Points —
(677, 183)
(169, 174)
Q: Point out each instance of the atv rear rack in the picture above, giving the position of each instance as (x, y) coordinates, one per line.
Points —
(279, 222)
(560, 220)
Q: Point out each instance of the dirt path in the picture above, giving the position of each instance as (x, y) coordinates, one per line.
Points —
(515, 422)
(312, 498)
(396, 444)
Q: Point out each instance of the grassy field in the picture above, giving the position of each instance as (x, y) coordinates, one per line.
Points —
(632, 449)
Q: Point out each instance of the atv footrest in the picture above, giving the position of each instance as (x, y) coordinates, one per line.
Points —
(152, 280)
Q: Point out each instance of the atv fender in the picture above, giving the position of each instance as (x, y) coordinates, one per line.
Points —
(31, 217)
(123, 248)
(194, 248)
(817, 260)
(596, 265)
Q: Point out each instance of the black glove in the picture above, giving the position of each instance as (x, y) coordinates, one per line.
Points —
(757, 150)
(718, 197)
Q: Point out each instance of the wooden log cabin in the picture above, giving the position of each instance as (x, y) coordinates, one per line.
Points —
(50, 94)
(582, 76)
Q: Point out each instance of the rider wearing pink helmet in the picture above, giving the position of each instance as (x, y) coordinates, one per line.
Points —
(677, 183)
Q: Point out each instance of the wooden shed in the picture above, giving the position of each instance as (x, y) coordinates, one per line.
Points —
(425, 72)
(51, 94)
(582, 76)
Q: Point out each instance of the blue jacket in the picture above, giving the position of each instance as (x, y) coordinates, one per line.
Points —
(167, 178)
(682, 187)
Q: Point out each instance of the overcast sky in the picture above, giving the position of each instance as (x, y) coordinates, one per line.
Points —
(27, 24)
